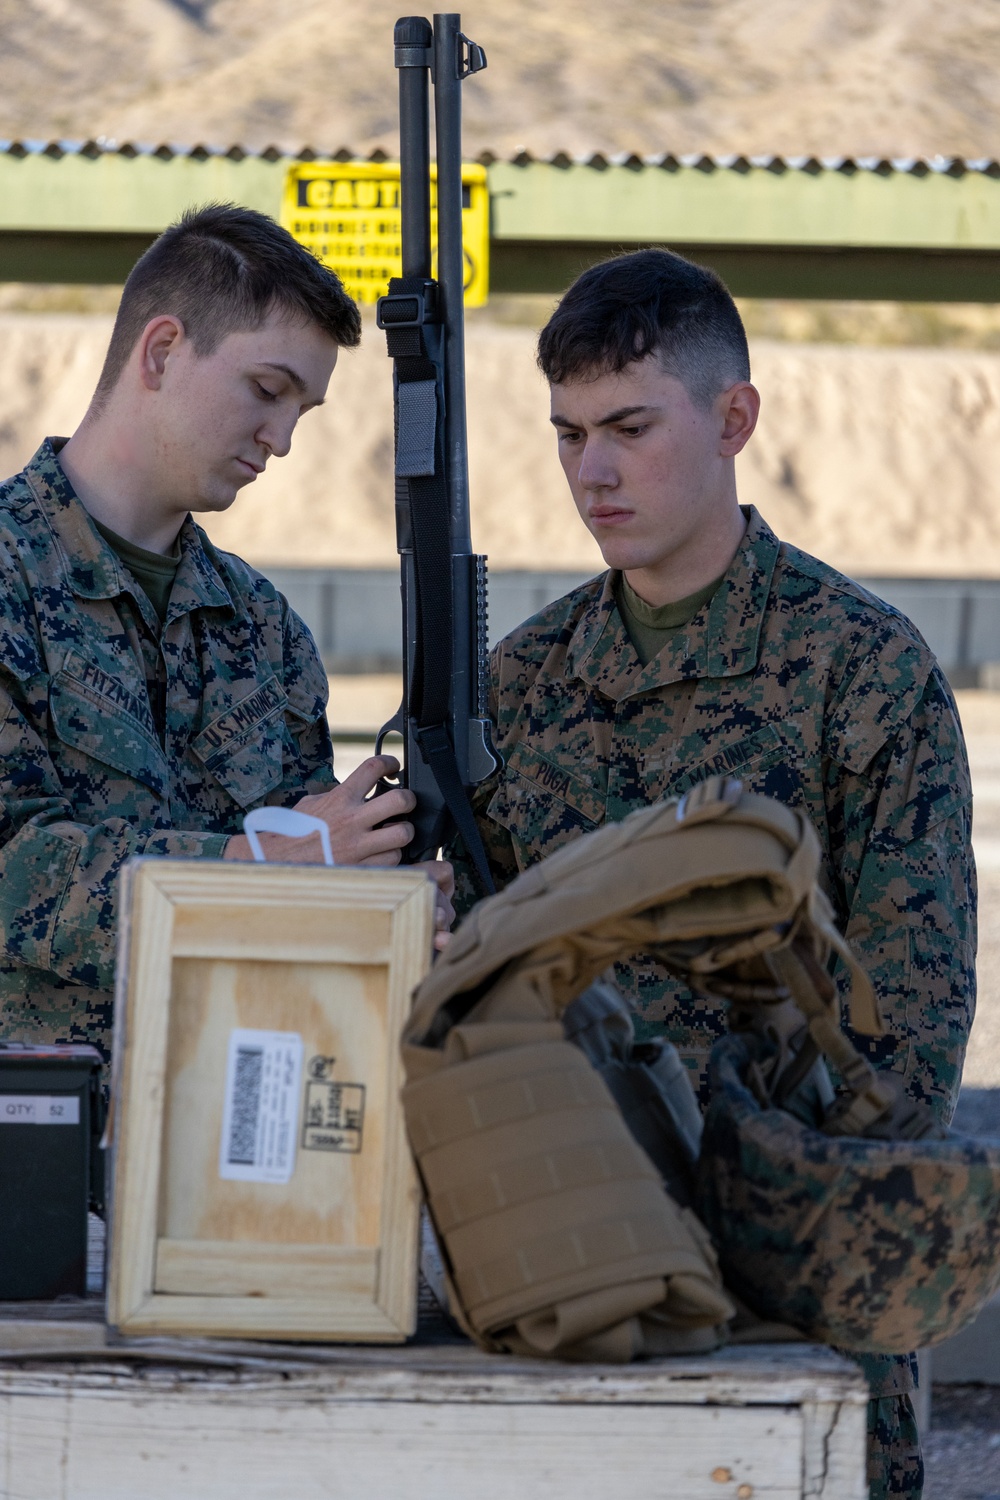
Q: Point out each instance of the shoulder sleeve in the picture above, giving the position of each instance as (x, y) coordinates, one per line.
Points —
(901, 836)
(880, 690)
(515, 664)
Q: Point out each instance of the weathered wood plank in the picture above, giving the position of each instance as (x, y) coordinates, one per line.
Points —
(778, 1374)
(121, 1434)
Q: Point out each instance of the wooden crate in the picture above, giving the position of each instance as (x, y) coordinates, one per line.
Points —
(262, 1183)
(779, 1422)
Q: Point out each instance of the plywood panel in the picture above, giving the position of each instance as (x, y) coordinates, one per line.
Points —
(339, 1010)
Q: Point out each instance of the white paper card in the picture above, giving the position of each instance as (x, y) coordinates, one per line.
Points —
(39, 1109)
(261, 1110)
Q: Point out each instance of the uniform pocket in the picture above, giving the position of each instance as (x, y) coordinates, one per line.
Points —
(243, 745)
(106, 726)
(926, 984)
(887, 959)
(544, 805)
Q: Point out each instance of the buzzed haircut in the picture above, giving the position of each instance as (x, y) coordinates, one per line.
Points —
(648, 302)
(223, 269)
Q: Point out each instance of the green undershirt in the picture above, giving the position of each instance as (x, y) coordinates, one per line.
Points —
(154, 572)
(650, 626)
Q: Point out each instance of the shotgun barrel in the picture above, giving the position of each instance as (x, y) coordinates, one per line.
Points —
(443, 717)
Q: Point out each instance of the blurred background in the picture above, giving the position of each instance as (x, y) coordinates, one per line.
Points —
(836, 161)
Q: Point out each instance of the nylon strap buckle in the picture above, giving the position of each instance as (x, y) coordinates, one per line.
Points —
(407, 309)
(709, 799)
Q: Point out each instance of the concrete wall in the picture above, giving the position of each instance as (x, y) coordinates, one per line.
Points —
(354, 613)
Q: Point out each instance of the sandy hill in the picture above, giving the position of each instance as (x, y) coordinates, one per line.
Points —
(881, 461)
(827, 77)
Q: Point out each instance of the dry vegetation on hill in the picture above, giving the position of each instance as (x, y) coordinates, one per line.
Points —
(829, 77)
(882, 460)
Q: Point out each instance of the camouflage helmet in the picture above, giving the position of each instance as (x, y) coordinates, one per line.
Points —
(871, 1244)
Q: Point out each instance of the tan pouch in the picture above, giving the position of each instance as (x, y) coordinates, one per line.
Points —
(556, 1223)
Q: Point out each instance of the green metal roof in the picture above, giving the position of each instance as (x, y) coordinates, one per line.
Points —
(774, 204)
(772, 225)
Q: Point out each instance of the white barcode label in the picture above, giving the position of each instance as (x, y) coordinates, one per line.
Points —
(261, 1110)
(39, 1109)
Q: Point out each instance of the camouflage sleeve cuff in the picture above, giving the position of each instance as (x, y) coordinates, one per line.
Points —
(170, 844)
(58, 901)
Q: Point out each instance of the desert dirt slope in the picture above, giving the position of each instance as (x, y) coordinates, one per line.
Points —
(881, 461)
(829, 77)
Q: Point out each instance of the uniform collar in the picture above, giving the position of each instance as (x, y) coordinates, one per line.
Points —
(723, 639)
(93, 567)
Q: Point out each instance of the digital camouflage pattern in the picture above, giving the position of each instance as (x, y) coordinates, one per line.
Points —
(117, 738)
(811, 691)
(866, 1244)
(895, 1463)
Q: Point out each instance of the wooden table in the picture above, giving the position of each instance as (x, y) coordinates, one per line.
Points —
(85, 1418)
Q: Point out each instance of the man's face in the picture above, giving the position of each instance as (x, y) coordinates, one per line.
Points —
(219, 417)
(644, 462)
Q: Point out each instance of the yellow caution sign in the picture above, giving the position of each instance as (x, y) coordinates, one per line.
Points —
(348, 214)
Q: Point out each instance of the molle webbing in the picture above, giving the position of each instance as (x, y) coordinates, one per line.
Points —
(542, 1195)
(709, 887)
(557, 1233)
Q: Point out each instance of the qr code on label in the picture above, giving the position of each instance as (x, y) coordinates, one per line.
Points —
(260, 1109)
(246, 1106)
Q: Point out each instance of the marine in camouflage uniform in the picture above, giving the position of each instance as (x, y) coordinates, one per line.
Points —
(810, 690)
(118, 738)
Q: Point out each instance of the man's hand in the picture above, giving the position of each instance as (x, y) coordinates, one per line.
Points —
(351, 819)
(443, 876)
(351, 814)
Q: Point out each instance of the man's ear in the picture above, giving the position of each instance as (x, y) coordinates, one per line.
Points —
(158, 340)
(739, 408)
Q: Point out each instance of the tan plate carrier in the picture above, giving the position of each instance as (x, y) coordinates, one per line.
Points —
(557, 1234)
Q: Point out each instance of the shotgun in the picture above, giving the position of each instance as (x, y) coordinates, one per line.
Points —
(443, 719)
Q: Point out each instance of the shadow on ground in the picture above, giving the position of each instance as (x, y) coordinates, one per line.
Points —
(978, 1112)
(962, 1451)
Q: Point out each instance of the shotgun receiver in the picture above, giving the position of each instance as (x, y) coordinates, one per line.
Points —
(443, 715)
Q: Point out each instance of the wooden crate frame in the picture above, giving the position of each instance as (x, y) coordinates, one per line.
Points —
(255, 936)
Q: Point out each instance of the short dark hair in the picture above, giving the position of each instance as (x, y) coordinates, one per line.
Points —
(648, 302)
(221, 269)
